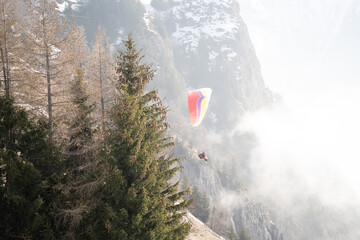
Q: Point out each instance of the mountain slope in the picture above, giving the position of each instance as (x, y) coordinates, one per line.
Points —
(199, 231)
(195, 44)
(212, 48)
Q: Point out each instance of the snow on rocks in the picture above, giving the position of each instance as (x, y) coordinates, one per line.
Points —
(203, 18)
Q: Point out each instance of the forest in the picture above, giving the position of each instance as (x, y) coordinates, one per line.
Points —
(84, 146)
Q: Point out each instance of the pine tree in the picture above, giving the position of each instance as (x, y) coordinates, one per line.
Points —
(27, 177)
(138, 201)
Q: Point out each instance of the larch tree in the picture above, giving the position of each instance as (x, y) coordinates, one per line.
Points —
(102, 75)
(76, 53)
(48, 37)
(9, 43)
(139, 199)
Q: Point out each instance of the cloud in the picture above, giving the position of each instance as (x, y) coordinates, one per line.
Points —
(308, 146)
(291, 36)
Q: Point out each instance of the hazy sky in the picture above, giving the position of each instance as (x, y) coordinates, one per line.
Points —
(309, 51)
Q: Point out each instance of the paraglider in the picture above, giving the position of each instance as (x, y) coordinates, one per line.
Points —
(203, 156)
(198, 101)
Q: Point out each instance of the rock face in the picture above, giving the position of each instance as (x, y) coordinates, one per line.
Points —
(256, 220)
(213, 35)
(212, 48)
(194, 44)
(236, 212)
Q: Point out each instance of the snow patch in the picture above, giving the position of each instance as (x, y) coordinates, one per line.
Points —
(147, 5)
(119, 39)
(75, 7)
(62, 6)
(238, 74)
(190, 15)
(147, 18)
(225, 48)
(196, 19)
(231, 55)
(145, 2)
(213, 55)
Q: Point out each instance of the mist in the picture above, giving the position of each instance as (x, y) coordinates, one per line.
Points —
(308, 143)
(308, 146)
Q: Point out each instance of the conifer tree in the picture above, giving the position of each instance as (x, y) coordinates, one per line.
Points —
(200, 207)
(80, 170)
(101, 75)
(26, 177)
(138, 201)
(47, 43)
(9, 46)
(243, 235)
(3, 48)
(6, 16)
(81, 132)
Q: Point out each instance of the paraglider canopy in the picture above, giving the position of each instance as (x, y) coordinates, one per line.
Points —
(198, 101)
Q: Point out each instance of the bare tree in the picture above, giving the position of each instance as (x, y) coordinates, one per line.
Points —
(8, 41)
(101, 74)
(48, 44)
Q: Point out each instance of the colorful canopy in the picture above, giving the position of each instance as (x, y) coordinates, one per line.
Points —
(198, 101)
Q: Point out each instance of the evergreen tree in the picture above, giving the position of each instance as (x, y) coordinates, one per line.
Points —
(233, 236)
(201, 205)
(80, 169)
(244, 236)
(81, 132)
(137, 199)
(27, 176)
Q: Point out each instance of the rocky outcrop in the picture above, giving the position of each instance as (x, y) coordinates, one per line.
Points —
(256, 220)
(199, 231)
(236, 212)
